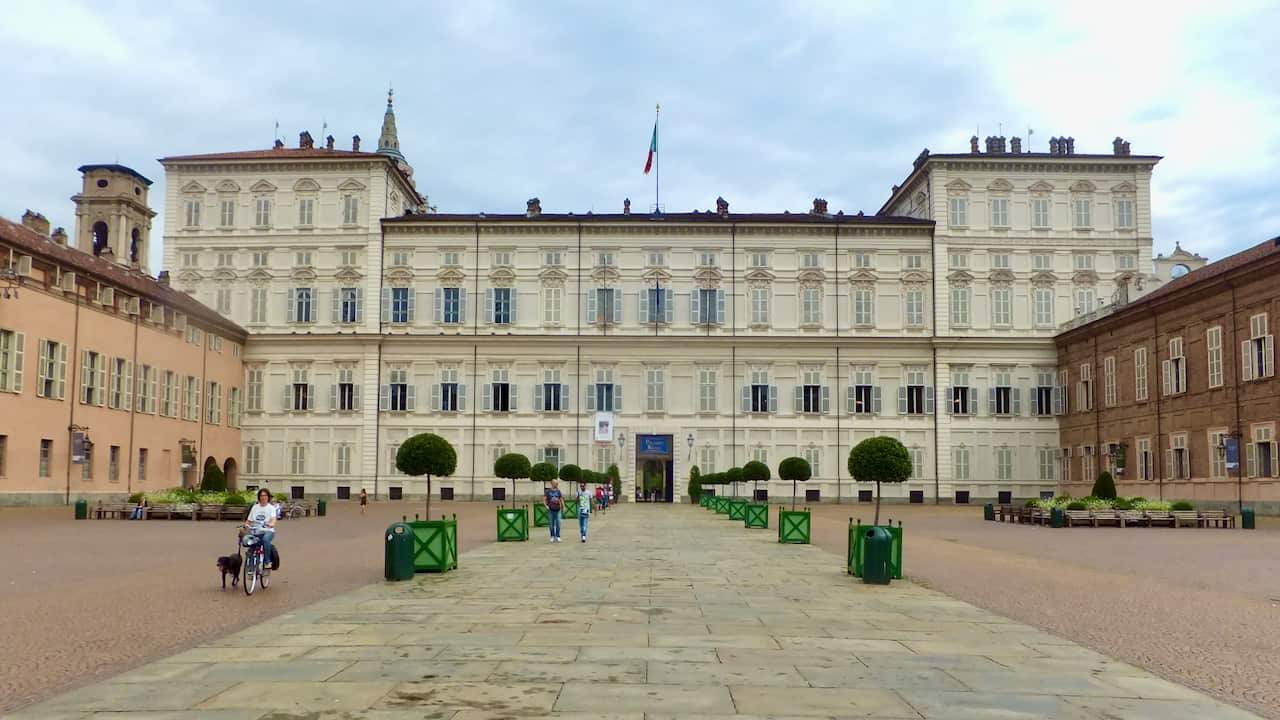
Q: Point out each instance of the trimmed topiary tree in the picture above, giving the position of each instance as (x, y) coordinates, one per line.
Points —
(733, 476)
(427, 454)
(695, 484)
(513, 467)
(795, 469)
(879, 459)
(544, 473)
(615, 480)
(1104, 487)
(755, 472)
(571, 474)
(213, 480)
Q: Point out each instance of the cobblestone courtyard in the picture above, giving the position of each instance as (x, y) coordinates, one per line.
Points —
(666, 612)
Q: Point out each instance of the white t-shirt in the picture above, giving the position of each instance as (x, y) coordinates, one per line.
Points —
(260, 515)
(585, 498)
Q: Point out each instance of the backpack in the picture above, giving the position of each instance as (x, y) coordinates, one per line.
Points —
(553, 502)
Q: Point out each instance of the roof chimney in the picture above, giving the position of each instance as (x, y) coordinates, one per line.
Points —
(1071, 146)
(1015, 145)
(1055, 146)
(304, 140)
(973, 144)
(819, 207)
(533, 208)
(35, 221)
(163, 278)
(59, 236)
(722, 207)
(278, 145)
(328, 142)
(626, 206)
(355, 143)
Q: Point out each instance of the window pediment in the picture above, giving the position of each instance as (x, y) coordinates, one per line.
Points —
(553, 274)
(759, 275)
(811, 275)
(262, 186)
(605, 274)
(708, 278)
(1040, 186)
(189, 276)
(348, 274)
(1124, 187)
(351, 184)
(1085, 277)
(862, 277)
(1044, 278)
(224, 274)
(259, 275)
(227, 186)
(1002, 276)
(306, 185)
(1000, 185)
(502, 277)
(1083, 186)
(959, 277)
(451, 276)
(193, 187)
(656, 274)
(959, 186)
(914, 277)
(303, 274)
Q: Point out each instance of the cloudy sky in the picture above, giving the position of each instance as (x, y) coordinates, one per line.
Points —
(767, 104)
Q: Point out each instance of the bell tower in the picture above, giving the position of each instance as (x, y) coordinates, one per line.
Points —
(113, 220)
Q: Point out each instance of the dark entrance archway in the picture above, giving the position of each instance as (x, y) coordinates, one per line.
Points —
(655, 469)
(99, 237)
(232, 473)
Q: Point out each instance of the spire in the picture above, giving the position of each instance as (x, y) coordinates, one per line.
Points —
(389, 142)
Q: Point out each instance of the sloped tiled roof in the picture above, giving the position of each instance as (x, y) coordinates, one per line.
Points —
(690, 217)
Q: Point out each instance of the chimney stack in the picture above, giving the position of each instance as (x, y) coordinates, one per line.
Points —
(626, 206)
(163, 278)
(973, 144)
(355, 143)
(1119, 146)
(304, 140)
(533, 208)
(328, 142)
(35, 221)
(59, 236)
(1015, 145)
(819, 207)
(1071, 146)
(722, 207)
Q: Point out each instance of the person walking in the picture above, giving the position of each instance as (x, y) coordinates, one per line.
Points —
(364, 500)
(600, 498)
(553, 499)
(584, 508)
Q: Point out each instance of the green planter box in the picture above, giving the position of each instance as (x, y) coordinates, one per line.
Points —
(540, 516)
(722, 506)
(705, 501)
(737, 509)
(858, 532)
(795, 527)
(513, 524)
(435, 545)
(756, 515)
(569, 507)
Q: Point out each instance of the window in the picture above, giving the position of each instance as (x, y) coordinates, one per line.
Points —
(604, 396)
(146, 390)
(604, 259)
(450, 258)
(552, 455)
(1000, 261)
(306, 211)
(1126, 261)
(551, 258)
(345, 391)
(759, 259)
(708, 259)
(169, 390)
(399, 391)
(191, 398)
(52, 382)
(810, 306)
(1213, 345)
(914, 262)
(225, 259)
(958, 260)
(1043, 299)
(1140, 374)
(811, 396)
(1144, 458)
(259, 258)
(213, 403)
(604, 305)
(706, 307)
(1178, 456)
(1217, 459)
(707, 387)
(258, 305)
(86, 465)
(552, 304)
(351, 258)
(342, 459)
(1066, 464)
(93, 378)
(959, 211)
(113, 463)
(1004, 464)
(915, 397)
(964, 399)
(1085, 299)
(655, 389)
(706, 459)
(759, 395)
(502, 258)
(1044, 393)
(960, 463)
(252, 459)
(501, 396)
(1087, 468)
(1042, 262)
(222, 300)
(552, 395)
(1173, 375)
(193, 214)
(233, 407)
(1048, 461)
(1000, 212)
(864, 307)
(301, 307)
(1259, 351)
(350, 310)
(350, 209)
(604, 457)
(960, 306)
(760, 306)
(1080, 213)
(864, 396)
(1039, 212)
(262, 212)
(297, 459)
(1004, 398)
(253, 389)
(1109, 395)
(656, 306)
(299, 394)
(453, 394)
(656, 259)
(1084, 388)
(190, 259)
(1124, 213)
(810, 260)
(401, 305)
(227, 213)
(1261, 459)
(451, 306)
(862, 260)
(302, 259)
(1082, 261)
(760, 454)
(1001, 306)
(918, 468)
(914, 300)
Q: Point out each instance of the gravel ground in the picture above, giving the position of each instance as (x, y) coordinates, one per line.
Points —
(86, 600)
(1198, 607)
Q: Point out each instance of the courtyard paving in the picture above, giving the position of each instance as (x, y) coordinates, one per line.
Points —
(665, 613)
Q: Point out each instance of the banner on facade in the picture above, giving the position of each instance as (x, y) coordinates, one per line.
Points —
(1233, 453)
(604, 427)
(77, 447)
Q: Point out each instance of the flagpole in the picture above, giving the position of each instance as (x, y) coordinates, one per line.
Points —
(657, 162)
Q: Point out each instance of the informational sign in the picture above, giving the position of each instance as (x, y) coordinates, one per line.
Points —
(1233, 453)
(604, 427)
(653, 444)
(77, 447)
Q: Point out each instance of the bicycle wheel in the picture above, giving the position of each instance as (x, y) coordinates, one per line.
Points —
(265, 576)
(250, 581)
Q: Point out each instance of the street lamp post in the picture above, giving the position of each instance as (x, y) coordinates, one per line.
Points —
(1223, 446)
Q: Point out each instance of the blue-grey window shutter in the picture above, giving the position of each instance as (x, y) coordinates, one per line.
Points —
(435, 397)
(386, 304)
(720, 307)
(1017, 400)
(928, 399)
(826, 399)
(591, 305)
(668, 306)
(538, 390)
(359, 305)
(642, 315)
(617, 398)
(437, 308)
(487, 394)
(411, 399)
(851, 396)
(973, 401)
(591, 397)
(773, 398)
(693, 307)
(902, 399)
(564, 398)
(462, 305)
(617, 306)
(462, 397)
(746, 398)
(488, 306)
(875, 399)
(413, 304)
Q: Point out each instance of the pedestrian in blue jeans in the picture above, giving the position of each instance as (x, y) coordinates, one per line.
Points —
(584, 508)
(554, 500)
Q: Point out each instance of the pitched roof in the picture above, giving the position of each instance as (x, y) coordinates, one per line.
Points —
(279, 154)
(690, 217)
(30, 242)
(116, 168)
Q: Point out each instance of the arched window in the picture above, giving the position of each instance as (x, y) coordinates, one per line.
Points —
(99, 237)
(135, 240)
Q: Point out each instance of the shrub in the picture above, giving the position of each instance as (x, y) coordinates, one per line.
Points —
(1122, 504)
(1077, 505)
(280, 498)
(235, 499)
(513, 467)
(1062, 499)
(570, 473)
(213, 480)
(543, 473)
(615, 478)
(1152, 505)
(1182, 505)
(795, 469)
(1104, 487)
(880, 459)
(136, 498)
(695, 484)
(733, 476)
(427, 454)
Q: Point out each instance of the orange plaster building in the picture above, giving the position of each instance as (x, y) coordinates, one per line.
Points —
(111, 382)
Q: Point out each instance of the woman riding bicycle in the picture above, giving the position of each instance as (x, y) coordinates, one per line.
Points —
(262, 522)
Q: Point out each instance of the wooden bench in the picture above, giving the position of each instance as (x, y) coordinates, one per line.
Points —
(233, 512)
(1189, 518)
(207, 512)
(1079, 517)
(1131, 518)
(120, 511)
(164, 510)
(1158, 517)
(1217, 518)
(1006, 514)
(1107, 517)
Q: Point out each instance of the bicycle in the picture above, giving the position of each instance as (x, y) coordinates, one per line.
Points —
(256, 564)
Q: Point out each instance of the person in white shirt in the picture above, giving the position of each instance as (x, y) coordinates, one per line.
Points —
(262, 521)
(585, 498)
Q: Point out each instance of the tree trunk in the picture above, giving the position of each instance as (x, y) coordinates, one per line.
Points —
(428, 517)
(877, 520)
(793, 494)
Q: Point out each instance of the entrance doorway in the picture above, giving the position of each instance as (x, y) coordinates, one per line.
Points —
(655, 469)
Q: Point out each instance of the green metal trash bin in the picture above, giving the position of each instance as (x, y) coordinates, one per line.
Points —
(988, 512)
(398, 553)
(320, 507)
(1246, 519)
(1057, 518)
(877, 549)
(82, 509)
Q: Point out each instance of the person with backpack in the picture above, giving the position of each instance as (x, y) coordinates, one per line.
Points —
(584, 508)
(554, 500)
(600, 497)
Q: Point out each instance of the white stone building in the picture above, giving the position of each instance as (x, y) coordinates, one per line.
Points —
(700, 338)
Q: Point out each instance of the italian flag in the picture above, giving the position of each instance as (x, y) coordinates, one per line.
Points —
(653, 149)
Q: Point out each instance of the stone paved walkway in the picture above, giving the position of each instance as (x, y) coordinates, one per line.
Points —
(668, 612)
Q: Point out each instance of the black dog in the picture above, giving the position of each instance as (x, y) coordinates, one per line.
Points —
(230, 565)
